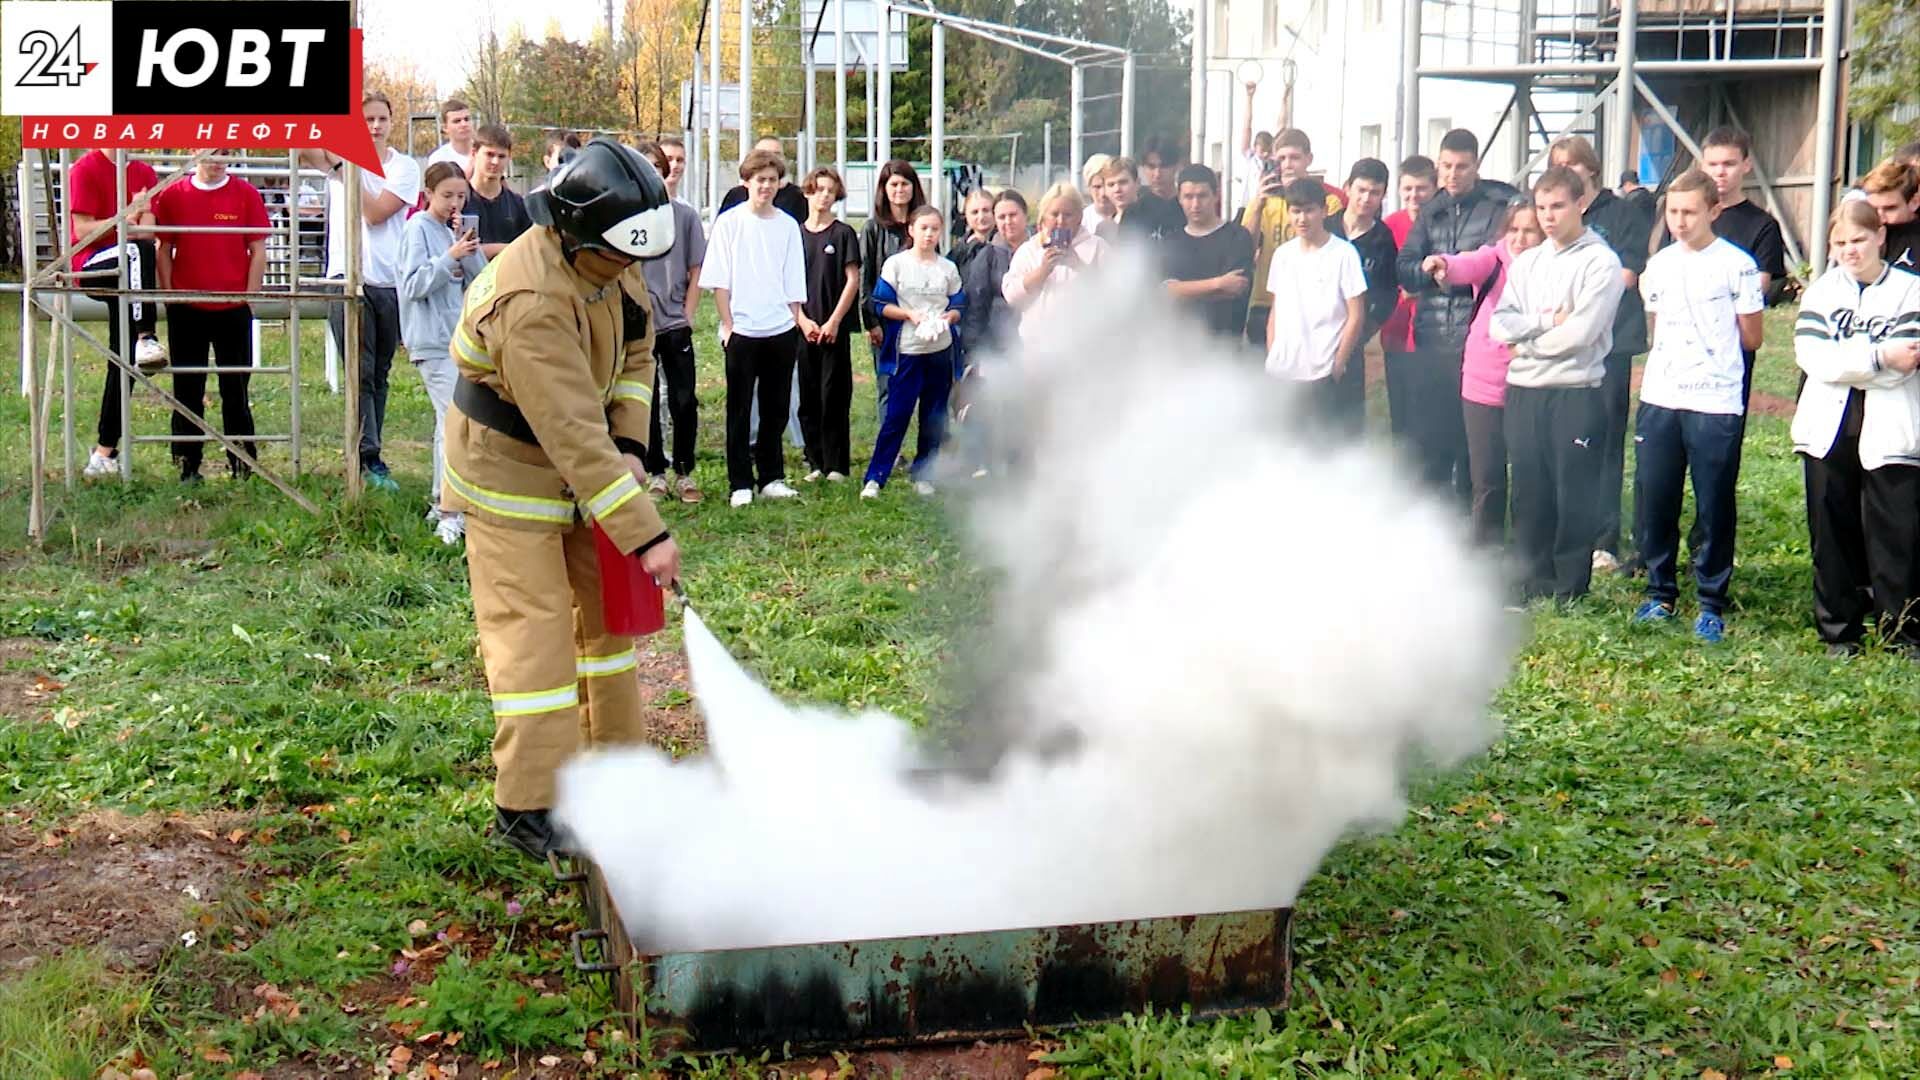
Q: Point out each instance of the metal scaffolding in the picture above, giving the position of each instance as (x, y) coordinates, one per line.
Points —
(1077, 55)
(51, 291)
(1609, 53)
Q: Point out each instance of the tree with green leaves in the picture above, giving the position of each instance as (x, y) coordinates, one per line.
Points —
(1886, 68)
(562, 83)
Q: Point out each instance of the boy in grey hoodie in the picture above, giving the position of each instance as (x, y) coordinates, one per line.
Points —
(439, 257)
(1556, 315)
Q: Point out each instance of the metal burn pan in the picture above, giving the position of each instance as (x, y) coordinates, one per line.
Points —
(939, 988)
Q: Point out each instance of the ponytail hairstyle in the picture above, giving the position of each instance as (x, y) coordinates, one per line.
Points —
(1858, 213)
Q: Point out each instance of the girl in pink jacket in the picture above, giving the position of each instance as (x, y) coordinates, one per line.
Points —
(1483, 374)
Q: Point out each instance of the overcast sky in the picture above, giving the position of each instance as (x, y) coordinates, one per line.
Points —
(437, 37)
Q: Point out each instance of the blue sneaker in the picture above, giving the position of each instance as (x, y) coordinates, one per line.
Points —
(1653, 611)
(1710, 628)
(380, 480)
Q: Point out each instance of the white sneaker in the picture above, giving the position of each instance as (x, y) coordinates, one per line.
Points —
(871, 491)
(99, 464)
(922, 488)
(1605, 563)
(836, 478)
(812, 477)
(742, 497)
(777, 490)
(657, 485)
(452, 529)
(149, 354)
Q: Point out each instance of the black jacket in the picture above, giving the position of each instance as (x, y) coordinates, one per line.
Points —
(1377, 256)
(1449, 226)
(988, 321)
(1625, 228)
(877, 242)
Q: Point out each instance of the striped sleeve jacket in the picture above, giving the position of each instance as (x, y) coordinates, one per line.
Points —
(577, 361)
(1837, 341)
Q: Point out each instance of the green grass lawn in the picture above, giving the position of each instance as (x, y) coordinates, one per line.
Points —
(1676, 861)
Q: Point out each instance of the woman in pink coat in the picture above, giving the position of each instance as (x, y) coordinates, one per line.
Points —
(1483, 375)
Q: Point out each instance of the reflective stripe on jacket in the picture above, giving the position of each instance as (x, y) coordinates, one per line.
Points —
(577, 361)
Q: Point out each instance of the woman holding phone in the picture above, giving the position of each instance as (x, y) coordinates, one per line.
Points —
(439, 255)
(897, 194)
(1059, 252)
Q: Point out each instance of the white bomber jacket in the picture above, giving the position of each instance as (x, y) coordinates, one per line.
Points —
(1837, 341)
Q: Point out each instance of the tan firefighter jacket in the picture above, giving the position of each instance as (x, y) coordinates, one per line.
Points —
(576, 361)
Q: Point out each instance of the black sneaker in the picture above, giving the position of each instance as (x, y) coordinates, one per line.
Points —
(190, 472)
(1843, 650)
(531, 831)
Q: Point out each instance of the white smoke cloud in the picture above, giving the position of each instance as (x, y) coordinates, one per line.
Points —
(1218, 644)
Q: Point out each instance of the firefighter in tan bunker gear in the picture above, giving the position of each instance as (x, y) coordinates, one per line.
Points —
(546, 436)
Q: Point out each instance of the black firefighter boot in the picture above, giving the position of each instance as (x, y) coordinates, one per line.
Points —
(531, 831)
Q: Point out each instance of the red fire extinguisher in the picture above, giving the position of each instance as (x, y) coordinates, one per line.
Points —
(631, 602)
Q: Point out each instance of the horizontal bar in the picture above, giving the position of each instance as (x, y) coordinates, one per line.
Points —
(246, 370)
(169, 295)
(261, 230)
(210, 438)
(1505, 72)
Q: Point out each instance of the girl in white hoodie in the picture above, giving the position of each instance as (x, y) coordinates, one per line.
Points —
(1858, 428)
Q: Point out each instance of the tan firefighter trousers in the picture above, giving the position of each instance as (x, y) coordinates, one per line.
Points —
(558, 681)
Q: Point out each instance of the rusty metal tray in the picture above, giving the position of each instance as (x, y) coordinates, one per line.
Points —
(938, 988)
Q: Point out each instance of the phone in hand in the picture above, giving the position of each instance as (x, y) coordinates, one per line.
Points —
(1060, 238)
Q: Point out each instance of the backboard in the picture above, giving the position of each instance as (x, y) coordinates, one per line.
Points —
(863, 17)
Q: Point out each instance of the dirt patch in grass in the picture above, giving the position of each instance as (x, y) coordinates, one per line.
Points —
(24, 689)
(666, 696)
(975, 1061)
(123, 884)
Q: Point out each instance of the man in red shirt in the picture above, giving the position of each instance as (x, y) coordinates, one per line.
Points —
(93, 194)
(212, 262)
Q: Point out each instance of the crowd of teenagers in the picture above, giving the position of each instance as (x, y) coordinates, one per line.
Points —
(1508, 321)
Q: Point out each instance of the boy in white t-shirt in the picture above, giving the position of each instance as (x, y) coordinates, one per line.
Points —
(1705, 301)
(1319, 296)
(756, 269)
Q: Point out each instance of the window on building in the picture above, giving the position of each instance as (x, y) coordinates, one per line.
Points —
(1370, 140)
(1437, 128)
(1221, 31)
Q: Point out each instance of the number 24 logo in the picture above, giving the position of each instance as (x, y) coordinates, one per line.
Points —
(55, 62)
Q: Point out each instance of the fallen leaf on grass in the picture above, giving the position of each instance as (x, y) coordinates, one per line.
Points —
(588, 1057)
(453, 1039)
(216, 1056)
(398, 1057)
(44, 685)
(1667, 1051)
(1042, 1073)
(550, 1060)
(1783, 1062)
(143, 1074)
(236, 836)
(1712, 1074)
(1878, 945)
(249, 1075)
(1649, 940)
(417, 928)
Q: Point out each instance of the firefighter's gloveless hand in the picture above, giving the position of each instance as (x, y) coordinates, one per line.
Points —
(662, 560)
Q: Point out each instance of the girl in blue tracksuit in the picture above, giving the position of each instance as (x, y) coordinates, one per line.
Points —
(918, 300)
